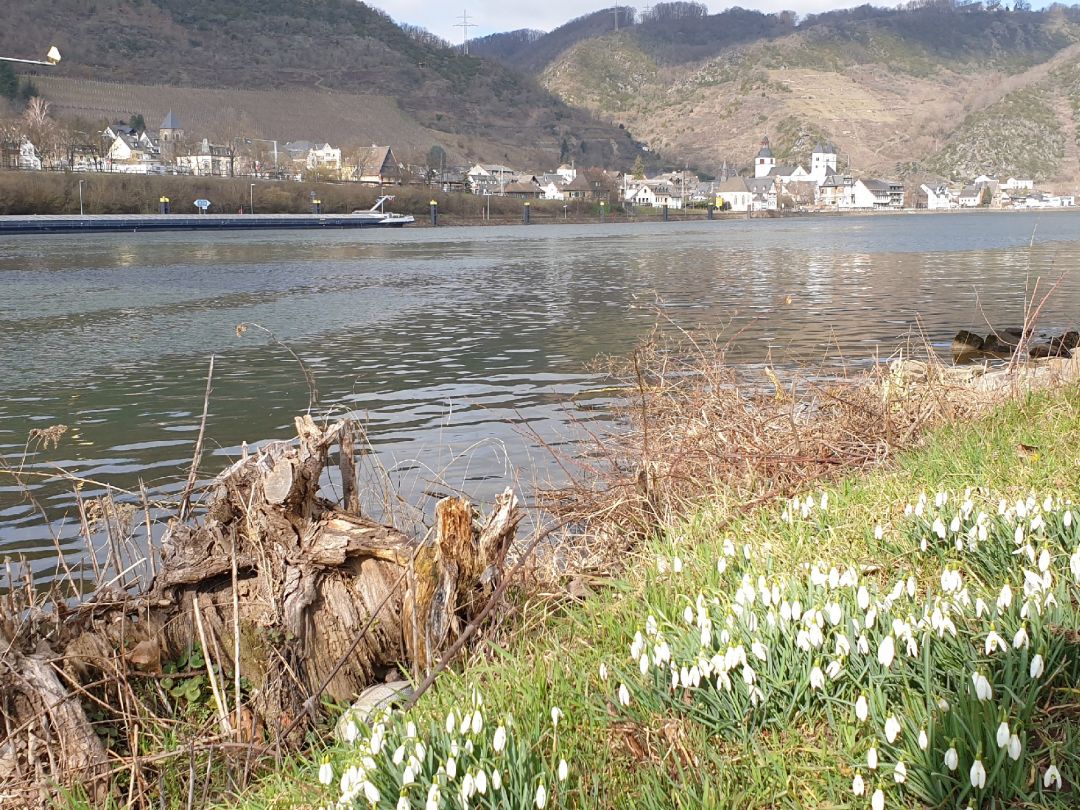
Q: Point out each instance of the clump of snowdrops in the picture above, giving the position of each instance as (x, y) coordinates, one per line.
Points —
(468, 761)
(931, 672)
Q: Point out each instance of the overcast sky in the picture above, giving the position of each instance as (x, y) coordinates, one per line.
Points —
(491, 16)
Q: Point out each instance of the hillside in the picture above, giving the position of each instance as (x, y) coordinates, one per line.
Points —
(939, 89)
(471, 106)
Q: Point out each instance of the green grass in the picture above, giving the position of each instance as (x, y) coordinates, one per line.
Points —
(709, 748)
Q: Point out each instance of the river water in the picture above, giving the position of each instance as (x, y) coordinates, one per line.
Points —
(465, 351)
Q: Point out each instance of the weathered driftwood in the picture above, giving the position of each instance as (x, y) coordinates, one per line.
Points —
(295, 576)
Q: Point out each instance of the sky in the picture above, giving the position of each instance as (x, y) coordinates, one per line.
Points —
(492, 16)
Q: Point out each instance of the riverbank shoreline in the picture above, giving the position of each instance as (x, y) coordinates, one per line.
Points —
(569, 707)
(614, 691)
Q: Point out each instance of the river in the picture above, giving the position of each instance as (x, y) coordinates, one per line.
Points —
(465, 351)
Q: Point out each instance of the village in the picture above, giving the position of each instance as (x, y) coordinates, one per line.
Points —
(765, 186)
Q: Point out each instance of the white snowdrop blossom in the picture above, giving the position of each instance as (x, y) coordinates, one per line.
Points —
(817, 678)
(983, 690)
(892, 729)
(1015, 748)
(371, 793)
(994, 642)
(624, 695)
(556, 715)
(1021, 638)
(676, 566)
(886, 651)
(862, 711)
(878, 532)
(900, 772)
(858, 786)
(1004, 600)
(603, 671)
(541, 796)
(1052, 777)
(1003, 733)
(403, 804)
(326, 773)
(952, 759)
(498, 742)
(977, 774)
(1036, 668)
(924, 741)
(496, 780)
(872, 759)
(877, 801)
(564, 770)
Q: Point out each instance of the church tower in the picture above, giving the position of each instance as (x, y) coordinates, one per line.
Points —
(764, 162)
(822, 162)
(170, 129)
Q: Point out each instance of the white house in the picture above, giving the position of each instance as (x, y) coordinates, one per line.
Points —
(938, 198)
(324, 157)
(567, 172)
(132, 153)
(19, 154)
(1018, 184)
(970, 196)
(822, 162)
(209, 160)
(837, 191)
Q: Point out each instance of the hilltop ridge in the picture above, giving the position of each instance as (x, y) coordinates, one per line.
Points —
(472, 107)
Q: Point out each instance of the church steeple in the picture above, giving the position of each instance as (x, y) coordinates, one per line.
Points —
(764, 162)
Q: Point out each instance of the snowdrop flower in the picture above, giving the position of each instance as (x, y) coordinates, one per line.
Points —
(862, 598)
(1020, 639)
(624, 695)
(1044, 560)
(900, 772)
(603, 671)
(877, 801)
(861, 709)
(556, 715)
(858, 786)
(952, 759)
(886, 651)
(835, 669)
(496, 780)
(688, 615)
(1067, 520)
(564, 770)
(399, 755)
(403, 804)
(451, 768)
(1015, 748)
(371, 793)
(759, 650)
(983, 690)
(892, 729)
(326, 773)
(451, 724)
(817, 678)
(939, 528)
(661, 565)
(468, 787)
(1052, 777)
(878, 532)
(924, 741)
(352, 731)
(862, 645)
(676, 566)
(1036, 669)
(1003, 733)
(977, 774)
(499, 741)
(871, 759)
(477, 722)
(995, 642)
(541, 797)
(1004, 600)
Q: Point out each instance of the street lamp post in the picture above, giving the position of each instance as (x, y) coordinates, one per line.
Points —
(80, 197)
(251, 199)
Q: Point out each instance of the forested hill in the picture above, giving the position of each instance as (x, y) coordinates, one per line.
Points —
(934, 88)
(320, 45)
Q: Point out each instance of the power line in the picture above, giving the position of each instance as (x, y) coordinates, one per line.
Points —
(466, 25)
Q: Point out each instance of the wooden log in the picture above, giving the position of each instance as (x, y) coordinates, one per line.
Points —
(325, 599)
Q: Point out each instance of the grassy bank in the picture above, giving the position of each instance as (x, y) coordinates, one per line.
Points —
(731, 664)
